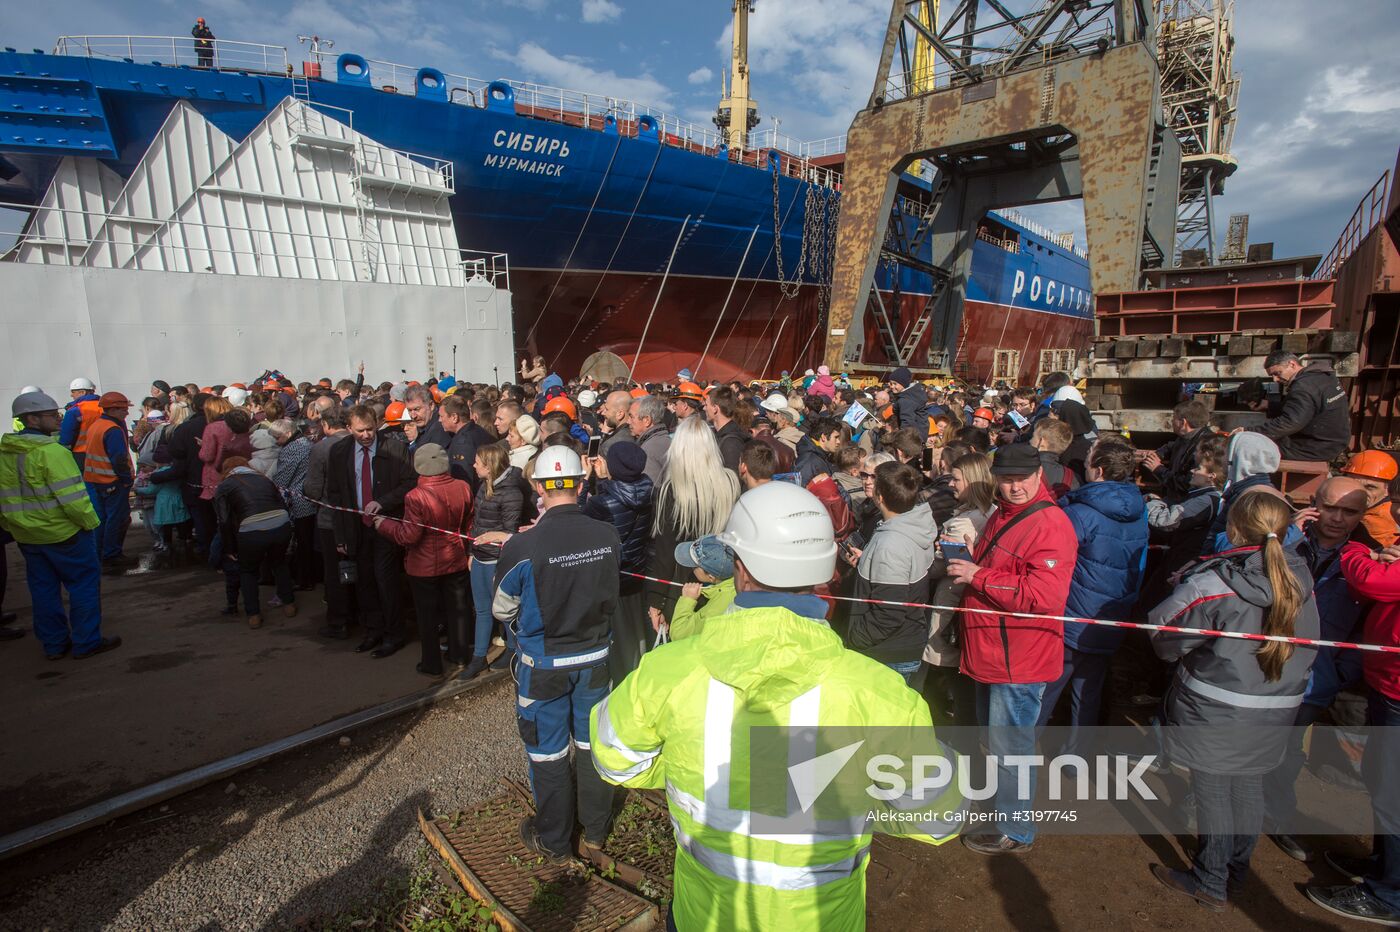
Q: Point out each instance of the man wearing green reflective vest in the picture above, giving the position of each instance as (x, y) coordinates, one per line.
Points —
(44, 505)
(683, 720)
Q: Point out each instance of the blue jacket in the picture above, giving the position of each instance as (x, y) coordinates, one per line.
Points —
(1334, 669)
(1110, 522)
(627, 507)
(72, 420)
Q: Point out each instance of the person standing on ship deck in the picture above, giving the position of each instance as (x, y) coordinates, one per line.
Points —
(203, 43)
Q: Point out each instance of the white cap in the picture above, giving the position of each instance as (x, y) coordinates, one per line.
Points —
(236, 396)
(588, 398)
(81, 383)
(783, 535)
(34, 402)
(774, 402)
(557, 462)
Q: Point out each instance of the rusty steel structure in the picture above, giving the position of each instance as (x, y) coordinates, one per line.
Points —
(1055, 103)
(1200, 94)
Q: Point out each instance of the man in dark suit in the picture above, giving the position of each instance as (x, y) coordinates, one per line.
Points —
(371, 474)
(455, 415)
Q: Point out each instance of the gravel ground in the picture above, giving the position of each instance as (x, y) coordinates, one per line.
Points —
(305, 837)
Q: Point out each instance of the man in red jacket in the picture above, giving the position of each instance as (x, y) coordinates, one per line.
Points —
(1023, 563)
(1374, 894)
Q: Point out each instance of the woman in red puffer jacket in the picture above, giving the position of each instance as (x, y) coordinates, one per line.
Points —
(436, 562)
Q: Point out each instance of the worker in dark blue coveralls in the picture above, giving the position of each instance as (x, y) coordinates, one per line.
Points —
(557, 589)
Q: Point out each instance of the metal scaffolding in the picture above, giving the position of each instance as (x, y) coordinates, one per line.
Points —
(1200, 90)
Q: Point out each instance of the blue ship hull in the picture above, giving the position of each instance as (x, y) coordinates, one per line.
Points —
(588, 216)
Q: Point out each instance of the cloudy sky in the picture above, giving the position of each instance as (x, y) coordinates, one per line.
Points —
(1319, 109)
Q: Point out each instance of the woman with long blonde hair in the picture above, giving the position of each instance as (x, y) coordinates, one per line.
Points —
(696, 495)
(1233, 699)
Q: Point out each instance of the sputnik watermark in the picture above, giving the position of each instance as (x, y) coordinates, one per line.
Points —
(1114, 780)
(1116, 777)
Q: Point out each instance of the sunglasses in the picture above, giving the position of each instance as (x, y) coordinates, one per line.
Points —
(867, 475)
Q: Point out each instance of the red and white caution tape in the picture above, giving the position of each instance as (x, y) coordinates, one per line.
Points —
(1032, 616)
(1136, 626)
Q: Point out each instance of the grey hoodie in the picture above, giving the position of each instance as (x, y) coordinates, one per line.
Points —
(894, 567)
(1220, 694)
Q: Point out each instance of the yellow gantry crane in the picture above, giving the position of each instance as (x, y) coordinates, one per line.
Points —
(738, 112)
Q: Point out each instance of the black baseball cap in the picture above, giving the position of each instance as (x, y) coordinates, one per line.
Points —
(1018, 459)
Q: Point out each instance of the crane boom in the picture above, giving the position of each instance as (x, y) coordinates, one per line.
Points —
(736, 99)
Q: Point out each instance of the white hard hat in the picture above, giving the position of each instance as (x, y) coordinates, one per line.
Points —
(777, 403)
(783, 535)
(236, 396)
(558, 462)
(30, 388)
(35, 402)
(81, 383)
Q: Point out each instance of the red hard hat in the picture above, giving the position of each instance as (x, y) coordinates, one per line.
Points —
(113, 400)
(561, 403)
(987, 413)
(1368, 464)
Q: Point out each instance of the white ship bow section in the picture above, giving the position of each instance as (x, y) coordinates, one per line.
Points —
(306, 247)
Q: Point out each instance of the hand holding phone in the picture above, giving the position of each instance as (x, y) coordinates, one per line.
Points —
(594, 443)
(927, 461)
(954, 551)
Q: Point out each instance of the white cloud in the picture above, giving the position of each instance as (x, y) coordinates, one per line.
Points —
(600, 11)
(576, 73)
(701, 76)
(813, 51)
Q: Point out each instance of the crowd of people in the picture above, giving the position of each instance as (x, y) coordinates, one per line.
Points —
(903, 549)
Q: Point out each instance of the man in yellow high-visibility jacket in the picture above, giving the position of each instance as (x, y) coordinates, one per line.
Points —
(45, 506)
(682, 720)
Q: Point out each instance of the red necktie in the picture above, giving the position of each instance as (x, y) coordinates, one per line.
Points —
(366, 484)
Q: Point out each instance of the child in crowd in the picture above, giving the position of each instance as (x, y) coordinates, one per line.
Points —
(713, 565)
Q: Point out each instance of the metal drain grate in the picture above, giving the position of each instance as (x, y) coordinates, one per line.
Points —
(482, 848)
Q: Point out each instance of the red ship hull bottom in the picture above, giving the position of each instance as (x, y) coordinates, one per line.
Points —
(568, 317)
(992, 327)
(1019, 335)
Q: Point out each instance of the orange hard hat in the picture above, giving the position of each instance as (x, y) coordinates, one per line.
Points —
(987, 413)
(271, 385)
(561, 403)
(118, 400)
(639, 392)
(690, 390)
(238, 385)
(207, 390)
(1368, 464)
(437, 393)
(396, 413)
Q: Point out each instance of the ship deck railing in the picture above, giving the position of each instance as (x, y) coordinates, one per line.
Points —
(228, 55)
(562, 105)
(1010, 245)
(131, 242)
(589, 111)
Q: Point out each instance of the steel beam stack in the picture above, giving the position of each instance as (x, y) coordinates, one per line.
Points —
(1204, 331)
